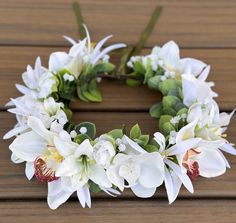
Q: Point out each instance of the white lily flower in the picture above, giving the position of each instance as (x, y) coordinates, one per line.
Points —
(144, 171)
(174, 174)
(80, 166)
(39, 82)
(47, 111)
(81, 53)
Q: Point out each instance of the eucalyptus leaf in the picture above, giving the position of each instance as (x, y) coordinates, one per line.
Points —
(135, 132)
(90, 127)
(156, 110)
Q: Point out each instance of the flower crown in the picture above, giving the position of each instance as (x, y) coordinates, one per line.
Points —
(69, 157)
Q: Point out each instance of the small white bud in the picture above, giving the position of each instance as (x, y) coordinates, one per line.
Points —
(122, 147)
(163, 78)
(83, 130)
(118, 141)
(62, 121)
(73, 134)
(71, 78)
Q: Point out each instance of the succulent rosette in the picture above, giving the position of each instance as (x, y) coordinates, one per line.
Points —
(70, 158)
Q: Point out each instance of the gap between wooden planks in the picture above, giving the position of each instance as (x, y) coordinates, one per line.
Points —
(117, 96)
(190, 23)
(14, 184)
(135, 211)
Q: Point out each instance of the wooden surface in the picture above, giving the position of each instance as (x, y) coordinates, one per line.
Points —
(205, 29)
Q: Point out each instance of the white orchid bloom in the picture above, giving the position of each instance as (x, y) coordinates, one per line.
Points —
(196, 90)
(204, 158)
(47, 111)
(40, 83)
(144, 171)
(174, 174)
(37, 148)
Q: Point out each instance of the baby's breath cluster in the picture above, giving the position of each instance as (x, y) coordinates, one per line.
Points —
(70, 157)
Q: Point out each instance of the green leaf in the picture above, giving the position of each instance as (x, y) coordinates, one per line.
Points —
(116, 133)
(139, 68)
(170, 101)
(94, 187)
(182, 111)
(133, 83)
(156, 110)
(127, 52)
(151, 148)
(94, 91)
(68, 113)
(135, 132)
(167, 85)
(91, 129)
(163, 120)
(153, 82)
(80, 138)
(144, 139)
(167, 110)
(103, 68)
(148, 74)
(167, 128)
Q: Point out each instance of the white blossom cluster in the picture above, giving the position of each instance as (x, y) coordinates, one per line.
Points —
(113, 164)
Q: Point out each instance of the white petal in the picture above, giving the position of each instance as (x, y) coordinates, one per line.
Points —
(112, 192)
(192, 66)
(22, 89)
(68, 167)
(15, 131)
(113, 176)
(160, 139)
(211, 163)
(84, 196)
(37, 126)
(187, 132)
(152, 170)
(183, 146)
(182, 176)
(85, 148)
(132, 147)
(107, 50)
(204, 74)
(29, 170)
(228, 148)
(15, 159)
(170, 55)
(99, 45)
(143, 192)
(28, 146)
(58, 60)
(54, 187)
(64, 148)
(55, 201)
(70, 40)
(98, 175)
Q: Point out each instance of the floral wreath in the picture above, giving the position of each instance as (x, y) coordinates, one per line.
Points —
(70, 158)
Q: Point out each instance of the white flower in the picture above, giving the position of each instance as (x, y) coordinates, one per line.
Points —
(195, 90)
(144, 172)
(39, 82)
(81, 53)
(47, 111)
(37, 148)
(174, 174)
(104, 151)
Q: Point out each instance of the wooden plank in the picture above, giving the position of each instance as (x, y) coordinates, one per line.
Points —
(13, 183)
(116, 95)
(191, 23)
(219, 211)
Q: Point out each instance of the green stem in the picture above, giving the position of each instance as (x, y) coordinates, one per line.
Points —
(79, 19)
(143, 39)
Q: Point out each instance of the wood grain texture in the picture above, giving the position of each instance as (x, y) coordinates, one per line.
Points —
(190, 23)
(118, 96)
(13, 183)
(221, 211)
